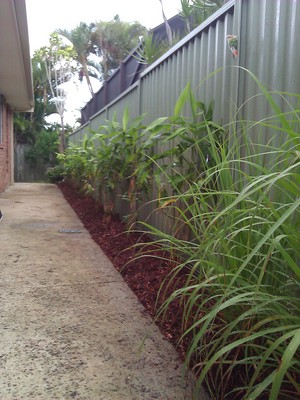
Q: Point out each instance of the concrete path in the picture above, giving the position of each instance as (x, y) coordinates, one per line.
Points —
(70, 328)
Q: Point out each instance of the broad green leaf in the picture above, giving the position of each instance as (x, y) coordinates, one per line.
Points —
(182, 99)
(156, 124)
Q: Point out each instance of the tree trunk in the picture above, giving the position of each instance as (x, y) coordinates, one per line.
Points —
(62, 144)
(132, 201)
(88, 81)
(168, 28)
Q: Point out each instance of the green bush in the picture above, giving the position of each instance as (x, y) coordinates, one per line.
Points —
(234, 211)
(240, 256)
(55, 174)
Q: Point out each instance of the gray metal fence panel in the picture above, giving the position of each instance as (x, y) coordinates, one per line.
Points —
(205, 52)
(98, 120)
(130, 101)
(269, 49)
(267, 30)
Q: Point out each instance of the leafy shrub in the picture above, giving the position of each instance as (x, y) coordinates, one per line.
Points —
(240, 302)
(234, 211)
(55, 174)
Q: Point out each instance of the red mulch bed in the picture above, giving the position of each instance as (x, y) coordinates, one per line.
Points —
(143, 275)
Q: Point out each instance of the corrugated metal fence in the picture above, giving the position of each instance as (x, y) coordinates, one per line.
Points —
(268, 32)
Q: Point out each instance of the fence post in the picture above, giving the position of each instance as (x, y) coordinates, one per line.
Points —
(122, 77)
(106, 94)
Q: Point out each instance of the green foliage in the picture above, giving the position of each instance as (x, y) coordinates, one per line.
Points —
(115, 160)
(81, 40)
(110, 41)
(44, 147)
(195, 12)
(57, 64)
(31, 128)
(113, 41)
(75, 164)
(234, 211)
(55, 174)
(23, 131)
(242, 286)
(150, 49)
(28, 125)
(241, 259)
(189, 151)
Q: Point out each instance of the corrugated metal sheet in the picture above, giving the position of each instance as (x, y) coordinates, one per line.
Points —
(201, 60)
(269, 49)
(268, 32)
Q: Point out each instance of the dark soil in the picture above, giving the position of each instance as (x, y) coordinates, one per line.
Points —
(144, 276)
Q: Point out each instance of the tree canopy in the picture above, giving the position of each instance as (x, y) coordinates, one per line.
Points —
(113, 41)
(93, 51)
(195, 12)
(109, 41)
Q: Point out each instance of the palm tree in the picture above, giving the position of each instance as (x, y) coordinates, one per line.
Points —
(168, 28)
(57, 60)
(80, 37)
(195, 12)
(113, 40)
(28, 126)
(40, 81)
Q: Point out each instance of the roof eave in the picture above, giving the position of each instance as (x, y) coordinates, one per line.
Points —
(15, 62)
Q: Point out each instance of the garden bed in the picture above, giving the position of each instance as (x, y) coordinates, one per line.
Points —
(147, 276)
(143, 275)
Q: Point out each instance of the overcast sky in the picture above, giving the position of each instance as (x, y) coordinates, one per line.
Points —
(44, 16)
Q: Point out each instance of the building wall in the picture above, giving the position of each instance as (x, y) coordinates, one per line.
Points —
(6, 145)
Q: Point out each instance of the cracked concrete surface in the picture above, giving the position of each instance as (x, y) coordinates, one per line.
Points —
(70, 327)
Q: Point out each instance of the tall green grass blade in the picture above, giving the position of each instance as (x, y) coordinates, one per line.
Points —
(286, 126)
(231, 207)
(285, 364)
(267, 235)
(263, 360)
(289, 260)
(261, 387)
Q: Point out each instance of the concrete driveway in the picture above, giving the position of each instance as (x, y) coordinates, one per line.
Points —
(70, 327)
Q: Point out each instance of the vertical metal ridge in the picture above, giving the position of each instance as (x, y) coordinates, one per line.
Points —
(268, 33)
